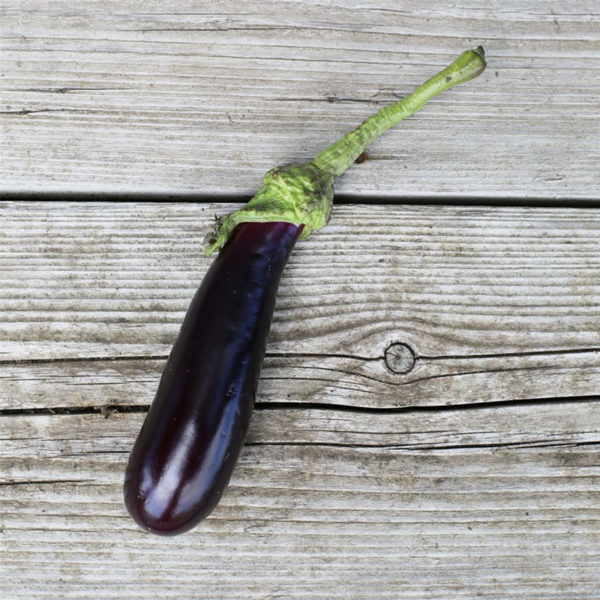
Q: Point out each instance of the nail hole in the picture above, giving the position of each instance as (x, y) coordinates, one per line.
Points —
(399, 358)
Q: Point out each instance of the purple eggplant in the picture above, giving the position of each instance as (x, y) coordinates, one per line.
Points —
(184, 455)
(186, 450)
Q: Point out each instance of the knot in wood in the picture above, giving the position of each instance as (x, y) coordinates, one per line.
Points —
(399, 358)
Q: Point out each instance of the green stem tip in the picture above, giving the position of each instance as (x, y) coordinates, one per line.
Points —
(303, 194)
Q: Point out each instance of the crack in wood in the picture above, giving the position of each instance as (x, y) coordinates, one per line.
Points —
(81, 359)
(107, 410)
(33, 111)
(491, 405)
(556, 352)
(418, 357)
(43, 482)
(66, 89)
(541, 443)
(328, 99)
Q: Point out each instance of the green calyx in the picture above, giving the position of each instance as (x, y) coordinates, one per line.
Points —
(303, 194)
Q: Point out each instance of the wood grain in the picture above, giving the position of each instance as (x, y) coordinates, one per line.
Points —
(495, 303)
(473, 474)
(500, 502)
(312, 380)
(203, 98)
(468, 467)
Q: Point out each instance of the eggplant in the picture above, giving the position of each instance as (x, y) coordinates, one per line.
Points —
(189, 443)
(185, 453)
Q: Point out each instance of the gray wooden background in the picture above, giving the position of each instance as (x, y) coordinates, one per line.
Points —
(428, 417)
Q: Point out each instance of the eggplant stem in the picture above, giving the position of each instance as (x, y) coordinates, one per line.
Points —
(303, 194)
(343, 153)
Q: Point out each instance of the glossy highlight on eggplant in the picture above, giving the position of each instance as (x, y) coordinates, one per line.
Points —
(187, 448)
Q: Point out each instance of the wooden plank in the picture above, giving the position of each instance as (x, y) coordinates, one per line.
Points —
(203, 98)
(500, 502)
(495, 303)
(312, 380)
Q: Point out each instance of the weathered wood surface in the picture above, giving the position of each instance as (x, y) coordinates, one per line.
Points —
(474, 474)
(188, 97)
(495, 303)
(415, 507)
(469, 468)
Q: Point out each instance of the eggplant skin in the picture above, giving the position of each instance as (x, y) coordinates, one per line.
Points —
(184, 455)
